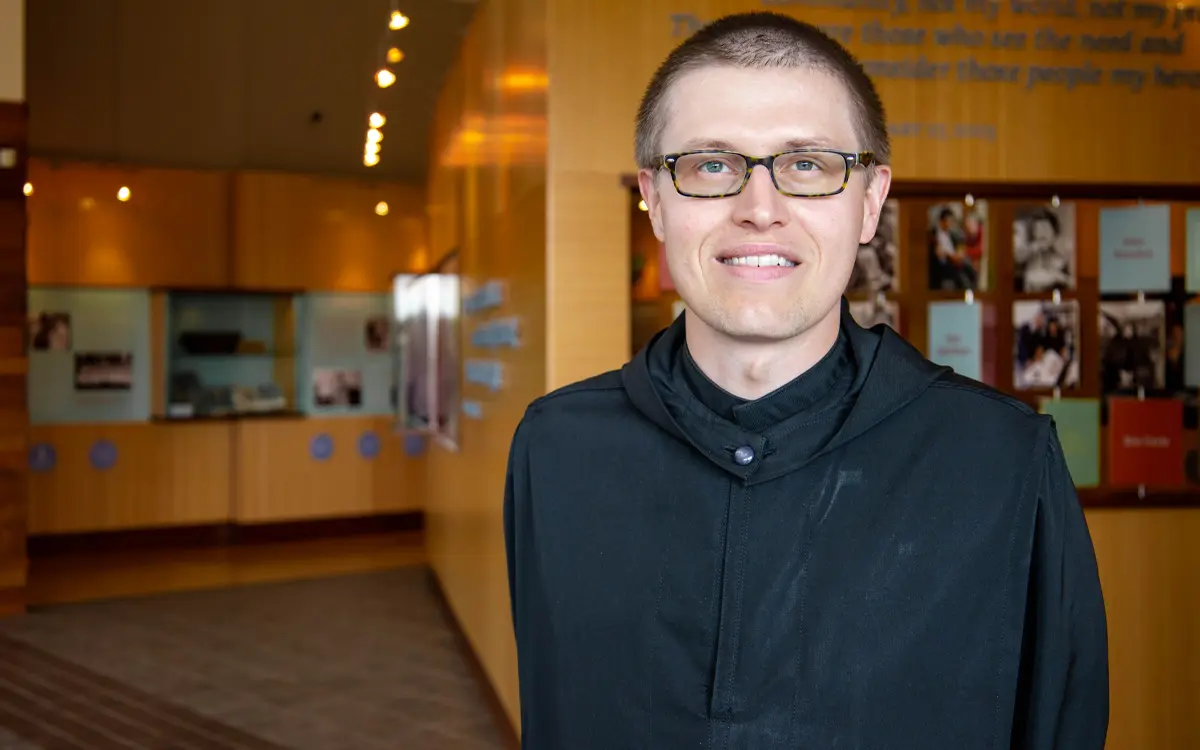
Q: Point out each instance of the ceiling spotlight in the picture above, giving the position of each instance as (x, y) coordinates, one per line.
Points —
(381, 208)
(123, 194)
(385, 78)
(398, 21)
(376, 120)
(642, 206)
(394, 55)
(374, 136)
(28, 189)
(370, 159)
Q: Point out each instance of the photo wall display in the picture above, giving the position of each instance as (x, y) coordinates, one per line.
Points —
(956, 239)
(89, 355)
(1043, 248)
(1046, 345)
(1091, 320)
(877, 265)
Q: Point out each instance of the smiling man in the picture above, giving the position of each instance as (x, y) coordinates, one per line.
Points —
(774, 528)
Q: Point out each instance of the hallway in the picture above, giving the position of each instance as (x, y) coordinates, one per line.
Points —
(366, 660)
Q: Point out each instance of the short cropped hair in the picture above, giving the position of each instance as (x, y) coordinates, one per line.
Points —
(762, 40)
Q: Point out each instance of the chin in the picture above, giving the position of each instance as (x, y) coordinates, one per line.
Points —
(763, 326)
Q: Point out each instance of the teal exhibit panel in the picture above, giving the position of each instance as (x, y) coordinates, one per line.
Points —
(345, 361)
(89, 355)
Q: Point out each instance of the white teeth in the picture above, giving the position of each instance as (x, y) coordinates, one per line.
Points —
(760, 261)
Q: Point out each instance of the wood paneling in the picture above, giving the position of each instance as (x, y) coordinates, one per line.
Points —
(173, 231)
(323, 233)
(1021, 133)
(277, 479)
(1148, 566)
(14, 416)
(164, 475)
(488, 198)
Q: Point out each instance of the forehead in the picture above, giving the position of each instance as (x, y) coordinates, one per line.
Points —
(759, 110)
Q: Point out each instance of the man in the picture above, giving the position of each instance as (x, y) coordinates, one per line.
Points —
(774, 528)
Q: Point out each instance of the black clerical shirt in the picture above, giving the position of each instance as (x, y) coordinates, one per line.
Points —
(881, 555)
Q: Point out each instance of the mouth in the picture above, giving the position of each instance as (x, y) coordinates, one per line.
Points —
(763, 260)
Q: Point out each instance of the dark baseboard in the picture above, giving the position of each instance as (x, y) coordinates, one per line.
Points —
(512, 739)
(218, 535)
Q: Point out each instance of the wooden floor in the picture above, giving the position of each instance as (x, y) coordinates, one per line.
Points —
(61, 578)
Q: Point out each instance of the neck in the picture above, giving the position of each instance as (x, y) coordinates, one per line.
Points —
(752, 369)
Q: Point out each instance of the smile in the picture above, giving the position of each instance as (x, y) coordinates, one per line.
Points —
(768, 260)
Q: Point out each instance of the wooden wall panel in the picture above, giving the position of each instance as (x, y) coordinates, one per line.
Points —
(1148, 566)
(488, 198)
(324, 234)
(164, 475)
(14, 416)
(277, 479)
(173, 231)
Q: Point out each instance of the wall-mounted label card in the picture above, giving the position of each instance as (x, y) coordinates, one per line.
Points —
(954, 329)
(1135, 249)
(1145, 442)
(1077, 421)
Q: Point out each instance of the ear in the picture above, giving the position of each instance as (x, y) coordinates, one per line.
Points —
(873, 200)
(649, 190)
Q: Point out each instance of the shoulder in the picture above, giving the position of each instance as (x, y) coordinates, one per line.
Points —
(597, 394)
(979, 408)
(603, 387)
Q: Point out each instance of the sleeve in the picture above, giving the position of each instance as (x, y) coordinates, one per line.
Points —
(517, 538)
(1063, 699)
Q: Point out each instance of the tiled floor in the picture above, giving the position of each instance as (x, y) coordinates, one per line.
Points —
(363, 661)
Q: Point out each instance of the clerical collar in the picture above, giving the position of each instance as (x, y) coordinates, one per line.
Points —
(826, 381)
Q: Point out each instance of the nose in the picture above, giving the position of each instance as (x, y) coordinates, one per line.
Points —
(760, 206)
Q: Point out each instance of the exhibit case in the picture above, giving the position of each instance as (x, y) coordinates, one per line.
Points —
(229, 353)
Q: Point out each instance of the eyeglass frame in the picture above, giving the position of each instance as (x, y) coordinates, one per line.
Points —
(853, 159)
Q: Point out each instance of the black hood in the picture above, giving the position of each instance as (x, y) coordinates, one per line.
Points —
(891, 374)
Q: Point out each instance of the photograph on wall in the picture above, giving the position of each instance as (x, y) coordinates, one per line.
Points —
(375, 334)
(876, 311)
(877, 266)
(335, 386)
(1132, 346)
(50, 332)
(1044, 248)
(956, 238)
(1045, 345)
(103, 371)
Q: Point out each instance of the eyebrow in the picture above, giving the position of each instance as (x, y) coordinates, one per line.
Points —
(716, 144)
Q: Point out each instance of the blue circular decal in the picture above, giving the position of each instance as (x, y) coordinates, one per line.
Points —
(42, 457)
(368, 445)
(103, 455)
(321, 447)
(414, 445)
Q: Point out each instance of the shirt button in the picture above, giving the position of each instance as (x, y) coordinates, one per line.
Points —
(743, 455)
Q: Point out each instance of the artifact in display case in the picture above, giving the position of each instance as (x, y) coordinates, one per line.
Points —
(229, 354)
